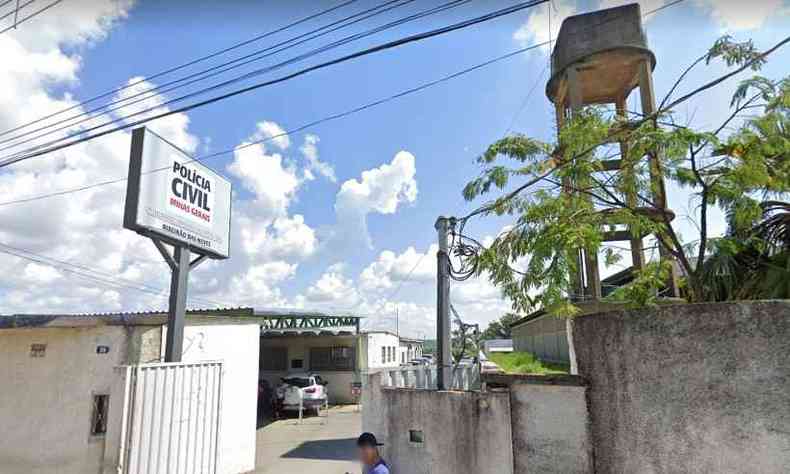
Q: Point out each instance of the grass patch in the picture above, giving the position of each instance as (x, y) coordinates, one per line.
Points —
(526, 363)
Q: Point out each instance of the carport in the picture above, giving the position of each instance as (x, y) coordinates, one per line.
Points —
(324, 344)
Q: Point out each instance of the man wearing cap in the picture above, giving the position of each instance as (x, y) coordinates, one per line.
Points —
(369, 455)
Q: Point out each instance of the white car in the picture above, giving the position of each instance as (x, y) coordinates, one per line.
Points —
(308, 389)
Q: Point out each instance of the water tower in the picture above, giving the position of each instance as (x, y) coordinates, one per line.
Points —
(600, 58)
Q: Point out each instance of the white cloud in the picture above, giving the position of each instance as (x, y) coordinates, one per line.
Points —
(738, 15)
(310, 151)
(268, 243)
(379, 190)
(273, 182)
(333, 287)
(390, 269)
(273, 132)
(536, 29)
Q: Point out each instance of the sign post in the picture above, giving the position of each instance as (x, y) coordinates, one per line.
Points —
(175, 200)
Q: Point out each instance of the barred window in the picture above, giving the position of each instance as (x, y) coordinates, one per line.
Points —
(99, 416)
(274, 358)
(332, 358)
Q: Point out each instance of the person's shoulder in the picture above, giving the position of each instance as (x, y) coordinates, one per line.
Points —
(381, 469)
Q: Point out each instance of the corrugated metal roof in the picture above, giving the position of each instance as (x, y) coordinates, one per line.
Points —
(140, 318)
(499, 343)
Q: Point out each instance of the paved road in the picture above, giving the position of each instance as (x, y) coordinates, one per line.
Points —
(323, 445)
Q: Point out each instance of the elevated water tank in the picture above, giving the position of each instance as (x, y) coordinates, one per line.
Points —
(606, 48)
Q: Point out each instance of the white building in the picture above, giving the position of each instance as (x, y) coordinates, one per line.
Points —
(57, 373)
(409, 349)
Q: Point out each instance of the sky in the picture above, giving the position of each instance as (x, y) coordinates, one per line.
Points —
(338, 217)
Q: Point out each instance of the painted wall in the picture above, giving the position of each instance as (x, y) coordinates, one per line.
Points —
(339, 387)
(545, 337)
(237, 347)
(463, 432)
(408, 350)
(549, 425)
(374, 341)
(46, 402)
(689, 388)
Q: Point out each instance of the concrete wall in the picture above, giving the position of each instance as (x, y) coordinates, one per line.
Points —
(545, 337)
(549, 424)
(689, 388)
(463, 432)
(46, 402)
(237, 347)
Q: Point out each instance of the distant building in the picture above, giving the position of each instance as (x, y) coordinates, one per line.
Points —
(546, 336)
(409, 349)
(493, 346)
(57, 373)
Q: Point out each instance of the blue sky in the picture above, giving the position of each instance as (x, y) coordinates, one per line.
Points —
(443, 128)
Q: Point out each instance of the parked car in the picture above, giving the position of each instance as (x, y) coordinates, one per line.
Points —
(309, 389)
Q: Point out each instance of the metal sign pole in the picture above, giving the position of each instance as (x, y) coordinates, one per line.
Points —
(179, 281)
(176, 313)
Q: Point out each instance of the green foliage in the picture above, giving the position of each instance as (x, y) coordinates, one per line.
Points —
(526, 363)
(500, 328)
(556, 193)
(644, 289)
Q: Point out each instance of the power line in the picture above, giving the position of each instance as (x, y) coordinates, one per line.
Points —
(90, 273)
(15, 10)
(181, 66)
(372, 50)
(306, 126)
(216, 70)
(32, 15)
(249, 75)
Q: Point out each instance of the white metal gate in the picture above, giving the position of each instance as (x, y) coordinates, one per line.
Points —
(170, 419)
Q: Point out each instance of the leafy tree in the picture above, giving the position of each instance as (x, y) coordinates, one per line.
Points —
(754, 264)
(564, 200)
(500, 328)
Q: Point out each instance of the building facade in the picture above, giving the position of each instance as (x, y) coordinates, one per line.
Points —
(295, 343)
(57, 373)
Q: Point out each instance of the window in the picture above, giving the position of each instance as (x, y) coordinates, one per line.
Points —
(274, 358)
(297, 363)
(99, 416)
(38, 350)
(383, 354)
(332, 358)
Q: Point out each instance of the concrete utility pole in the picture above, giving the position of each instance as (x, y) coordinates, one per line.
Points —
(444, 360)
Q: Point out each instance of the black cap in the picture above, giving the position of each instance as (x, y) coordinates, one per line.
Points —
(367, 439)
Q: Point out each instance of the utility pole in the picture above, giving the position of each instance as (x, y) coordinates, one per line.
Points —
(397, 322)
(444, 360)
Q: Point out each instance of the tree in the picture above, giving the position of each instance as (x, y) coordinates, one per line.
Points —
(500, 328)
(568, 201)
(753, 264)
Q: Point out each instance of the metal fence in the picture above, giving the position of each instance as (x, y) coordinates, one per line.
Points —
(466, 377)
(170, 418)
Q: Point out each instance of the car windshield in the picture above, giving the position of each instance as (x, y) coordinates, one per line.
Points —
(300, 382)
